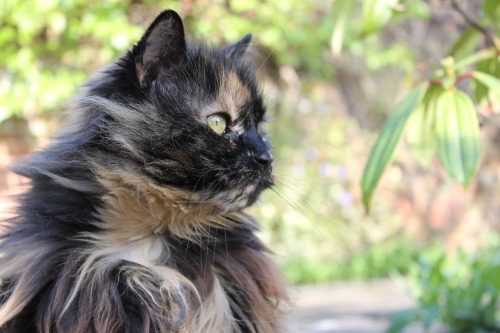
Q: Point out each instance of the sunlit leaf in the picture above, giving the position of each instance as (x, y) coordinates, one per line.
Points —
(489, 81)
(474, 58)
(479, 89)
(390, 136)
(431, 315)
(421, 135)
(376, 13)
(466, 44)
(493, 277)
(489, 310)
(490, 7)
(457, 129)
(341, 10)
(402, 319)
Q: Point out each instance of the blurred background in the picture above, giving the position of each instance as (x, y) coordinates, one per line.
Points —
(425, 235)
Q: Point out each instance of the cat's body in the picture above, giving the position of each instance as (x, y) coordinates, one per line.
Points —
(133, 220)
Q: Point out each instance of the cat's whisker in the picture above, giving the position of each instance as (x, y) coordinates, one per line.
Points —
(337, 230)
(314, 219)
(204, 191)
(265, 60)
(287, 191)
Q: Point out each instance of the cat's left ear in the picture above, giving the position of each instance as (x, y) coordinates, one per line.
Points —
(238, 49)
(162, 49)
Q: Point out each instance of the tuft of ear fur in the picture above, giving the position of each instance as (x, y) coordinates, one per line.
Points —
(162, 49)
(238, 49)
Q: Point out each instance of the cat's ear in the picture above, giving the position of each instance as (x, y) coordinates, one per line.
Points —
(162, 49)
(238, 49)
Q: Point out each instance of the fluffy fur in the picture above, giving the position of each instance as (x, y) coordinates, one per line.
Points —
(133, 220)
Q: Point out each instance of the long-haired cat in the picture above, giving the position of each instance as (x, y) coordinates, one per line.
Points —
(133, 220)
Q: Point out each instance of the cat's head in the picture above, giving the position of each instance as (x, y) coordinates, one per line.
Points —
(186, 117)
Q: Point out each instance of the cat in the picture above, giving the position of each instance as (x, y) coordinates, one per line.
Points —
(133, 220)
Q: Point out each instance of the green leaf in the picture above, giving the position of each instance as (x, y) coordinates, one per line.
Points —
(466, 44)
(488, 312)
(341, 10)
(490, 7)
(421, 135)
(376, 13)
(431, 315)
(493, 277)
(457, 129)
(474, 58)
(403, 318)
(491, 82)
(390, 136)
(479, 89)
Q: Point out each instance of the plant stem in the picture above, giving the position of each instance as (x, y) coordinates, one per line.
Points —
(466, 75)
(492, 40)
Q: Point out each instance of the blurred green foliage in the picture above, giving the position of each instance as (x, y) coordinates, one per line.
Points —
(378, 260)
(358, 25)
(458, 290)
(47, 48)
(296, 32)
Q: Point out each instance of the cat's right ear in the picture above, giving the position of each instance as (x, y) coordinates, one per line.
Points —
(238, 49)
(162, 49)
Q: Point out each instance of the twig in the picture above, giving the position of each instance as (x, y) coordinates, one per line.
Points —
(466, 75)
(489, 38)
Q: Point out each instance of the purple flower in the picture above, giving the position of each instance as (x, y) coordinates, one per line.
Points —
(312, 154)
(345, 199)
(325, 170)
(342, 172)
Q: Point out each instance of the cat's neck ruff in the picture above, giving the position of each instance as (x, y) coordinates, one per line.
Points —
(135, 208)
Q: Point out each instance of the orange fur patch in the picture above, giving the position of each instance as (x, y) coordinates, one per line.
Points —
(231, 97)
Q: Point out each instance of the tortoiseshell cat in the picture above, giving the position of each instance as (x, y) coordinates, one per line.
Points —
(133, 219)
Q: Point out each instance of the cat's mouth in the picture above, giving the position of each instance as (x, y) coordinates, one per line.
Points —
(241, 197)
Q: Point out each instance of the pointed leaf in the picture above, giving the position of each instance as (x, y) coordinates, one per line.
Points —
(376, 14)
(474, 58)
(457, 129)
(383, 150)
(341, 10)
(466, 44)
(421, 135)
(493, 277)
(479, 89)
(491, 82)
(490, 7)
(402, 319)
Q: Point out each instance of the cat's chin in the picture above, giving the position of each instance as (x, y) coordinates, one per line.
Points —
(238, 199)
(230, 207)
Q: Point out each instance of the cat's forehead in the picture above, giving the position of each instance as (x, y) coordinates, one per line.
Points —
(237, 97)
(231, 97)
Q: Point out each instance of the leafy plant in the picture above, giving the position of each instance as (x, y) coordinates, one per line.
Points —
(49, 47)
(441, 116)
(460, 291)
(379, 260)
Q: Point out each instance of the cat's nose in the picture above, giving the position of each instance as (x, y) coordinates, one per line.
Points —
(264, 158)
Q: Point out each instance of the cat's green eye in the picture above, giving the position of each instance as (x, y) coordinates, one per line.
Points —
(217, 123)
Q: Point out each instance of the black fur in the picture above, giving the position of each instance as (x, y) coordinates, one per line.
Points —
(138, 139)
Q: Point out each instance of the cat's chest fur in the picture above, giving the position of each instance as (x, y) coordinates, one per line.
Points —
(218, 278)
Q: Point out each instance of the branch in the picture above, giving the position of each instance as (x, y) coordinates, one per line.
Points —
(490, 38)
(466, 75)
